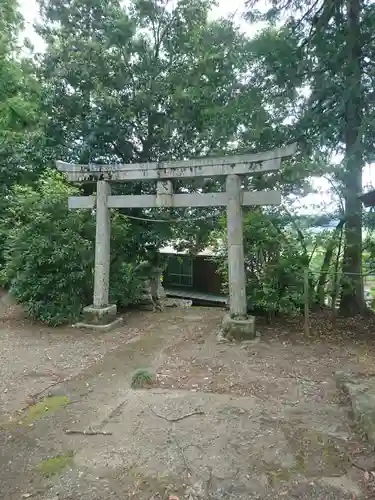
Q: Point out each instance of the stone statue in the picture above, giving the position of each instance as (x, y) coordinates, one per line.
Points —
(150, 271)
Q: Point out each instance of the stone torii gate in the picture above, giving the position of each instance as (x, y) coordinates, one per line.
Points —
(101, 314)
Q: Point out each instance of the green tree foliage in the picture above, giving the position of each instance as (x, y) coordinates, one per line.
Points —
(143, 81)
(21, 141)
(328, 47)
(147, 82)
(19, 104)
(275, 262)
(50, 253)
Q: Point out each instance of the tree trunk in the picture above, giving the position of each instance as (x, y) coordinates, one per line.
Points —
(320, 291)
(352, 300)
(336, 279)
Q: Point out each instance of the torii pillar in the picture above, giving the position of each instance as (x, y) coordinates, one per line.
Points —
(101, 315)
(236, 325)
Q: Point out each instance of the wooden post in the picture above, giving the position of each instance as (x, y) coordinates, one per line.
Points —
(306, 297)
(236, 260)
(102, 246)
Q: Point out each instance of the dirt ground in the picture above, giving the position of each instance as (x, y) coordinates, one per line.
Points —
(257, 420)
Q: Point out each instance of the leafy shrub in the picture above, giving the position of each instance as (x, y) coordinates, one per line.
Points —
(49, 253)
(125, 286)
(274, 266)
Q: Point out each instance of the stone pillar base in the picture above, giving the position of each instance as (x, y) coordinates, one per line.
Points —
(238, 329)
(100, 318)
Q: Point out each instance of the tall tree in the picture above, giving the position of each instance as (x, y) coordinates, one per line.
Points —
(352, 299)
(149, 83)
(142, 83)
(19, 105)
(18, 100)
(331, 50)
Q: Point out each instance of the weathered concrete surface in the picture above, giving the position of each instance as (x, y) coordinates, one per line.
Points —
(100, 315)
(238, 329)
(236, 449)
(199, 167)
(102, 245)
(176, 200)
(360, 391)
(271, 446)
(98, 328)
(236, 260)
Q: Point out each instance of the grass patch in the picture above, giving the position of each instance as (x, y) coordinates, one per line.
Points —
(52, 466)
(315, 452)
(46, 407)
(142, 379)
(277, 474)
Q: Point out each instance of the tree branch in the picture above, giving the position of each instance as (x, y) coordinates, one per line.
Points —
(177, 419)
(88, 432)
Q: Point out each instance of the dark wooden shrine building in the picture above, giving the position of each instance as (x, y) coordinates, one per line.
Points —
(193, 276)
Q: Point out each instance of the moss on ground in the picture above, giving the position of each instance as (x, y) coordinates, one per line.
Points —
(46, 407)
(276, 474)
(52, 466)
(315, 452)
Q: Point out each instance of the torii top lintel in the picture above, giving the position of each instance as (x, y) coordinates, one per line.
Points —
(200, 167)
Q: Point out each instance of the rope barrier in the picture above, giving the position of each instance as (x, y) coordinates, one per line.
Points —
(149, 219)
